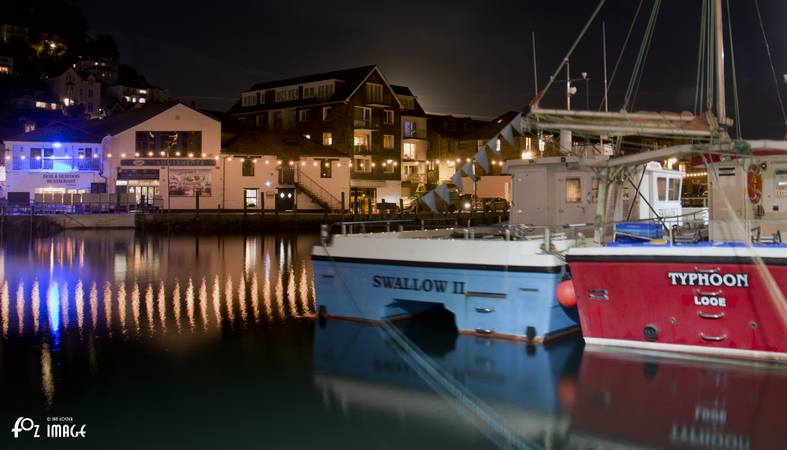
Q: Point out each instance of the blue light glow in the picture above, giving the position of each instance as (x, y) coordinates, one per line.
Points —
(53, 308)
(57, 145)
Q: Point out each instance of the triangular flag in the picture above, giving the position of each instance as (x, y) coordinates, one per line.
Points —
(429, 200)
(508, 134)
(492, 144)
(468, 170)
(457, 180)
(482, 159)
(516, 124)
(442, 191)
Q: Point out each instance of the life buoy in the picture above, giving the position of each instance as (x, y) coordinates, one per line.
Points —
(754, 183)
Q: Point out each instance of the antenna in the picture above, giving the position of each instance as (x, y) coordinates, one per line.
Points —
(604, 46)
(535, 71)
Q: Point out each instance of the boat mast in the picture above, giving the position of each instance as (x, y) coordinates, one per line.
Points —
(721, 109)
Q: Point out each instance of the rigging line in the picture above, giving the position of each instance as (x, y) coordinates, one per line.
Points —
(770, 61)
(568, 55)
(709, 67)
(700, 66)
(623, 49)
(734, 78)
(642, 71)
(641, 53)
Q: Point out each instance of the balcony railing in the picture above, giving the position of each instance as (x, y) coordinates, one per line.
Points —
(360, 149)
(67, 164)
(360, 123)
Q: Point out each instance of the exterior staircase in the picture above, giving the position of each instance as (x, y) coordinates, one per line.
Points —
(317, 193)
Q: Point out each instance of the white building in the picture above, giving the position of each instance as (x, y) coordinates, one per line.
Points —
(136, 152)
(169, 156)
(285, 171)
(72, 89)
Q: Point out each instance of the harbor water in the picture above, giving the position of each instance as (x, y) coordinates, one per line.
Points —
(164, 341)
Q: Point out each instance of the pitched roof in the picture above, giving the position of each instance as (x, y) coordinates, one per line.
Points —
(57, 132)
(402, 90)
(452, 126)
(283, 145)
(492, 128)
(351, 79)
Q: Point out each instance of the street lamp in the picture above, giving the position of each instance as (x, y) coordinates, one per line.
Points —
(587, 90)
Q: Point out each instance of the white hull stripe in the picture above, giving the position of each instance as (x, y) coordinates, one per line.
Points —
(695, 349)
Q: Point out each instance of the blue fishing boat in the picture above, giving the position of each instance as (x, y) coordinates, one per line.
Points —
(493, 281)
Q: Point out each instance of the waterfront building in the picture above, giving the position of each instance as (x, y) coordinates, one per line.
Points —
(135, 152)
(284, 171)
(414, 141)
(353, 110)
(169, 156)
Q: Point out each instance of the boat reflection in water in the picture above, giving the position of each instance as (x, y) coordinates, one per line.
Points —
(513, 394)
(554, 396)
(627, 399)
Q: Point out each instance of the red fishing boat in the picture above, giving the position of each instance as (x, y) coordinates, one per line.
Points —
(724, 299)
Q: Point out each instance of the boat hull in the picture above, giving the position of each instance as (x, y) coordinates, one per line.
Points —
(708, 301)
(505, 303)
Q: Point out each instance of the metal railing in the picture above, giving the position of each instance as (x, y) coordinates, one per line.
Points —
(323, 194)
(75, 164)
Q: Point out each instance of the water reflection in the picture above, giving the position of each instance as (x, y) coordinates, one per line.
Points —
(547, 397)
(147, 285)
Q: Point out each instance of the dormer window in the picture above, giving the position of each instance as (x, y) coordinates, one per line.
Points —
(249, 99)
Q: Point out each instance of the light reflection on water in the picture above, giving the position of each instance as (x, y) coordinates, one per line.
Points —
(153, 338)
(147, 286)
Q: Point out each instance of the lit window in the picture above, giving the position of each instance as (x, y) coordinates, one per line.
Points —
(408, 151)
(142, 100)
(41, 105)
(497, 145)
(389, 116)
(362, 164)
(409, 129)
(360, 142)
(388, 141)
(573, 190)
(327, 138)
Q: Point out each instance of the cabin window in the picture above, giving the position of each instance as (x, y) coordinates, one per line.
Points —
(661, 186)
(573, 190)
(781, 183)
(674, 189)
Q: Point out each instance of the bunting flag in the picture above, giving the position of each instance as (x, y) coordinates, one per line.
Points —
(429, 200)
(492, 144)
(457, 180)
(516, 124)
(468, 170)
(508, 134)
(482, 158)
(442, 192)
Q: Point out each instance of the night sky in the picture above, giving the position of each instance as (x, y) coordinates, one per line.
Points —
(461, 57)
